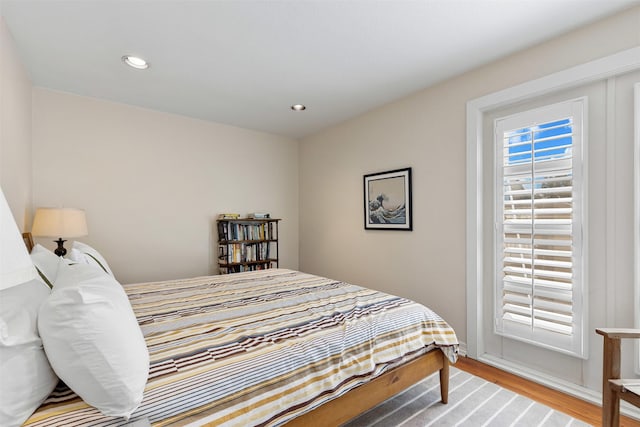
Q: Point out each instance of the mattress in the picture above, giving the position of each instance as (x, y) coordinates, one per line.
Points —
(260, 348)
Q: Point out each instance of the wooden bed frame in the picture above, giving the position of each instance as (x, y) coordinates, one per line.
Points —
(366, 396)
(362, 398)
(28, 241)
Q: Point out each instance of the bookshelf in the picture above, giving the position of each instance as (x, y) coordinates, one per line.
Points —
(247, 244)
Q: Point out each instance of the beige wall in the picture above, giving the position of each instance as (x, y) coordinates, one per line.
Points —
(15, 130)
(427, 132)
(152, 183)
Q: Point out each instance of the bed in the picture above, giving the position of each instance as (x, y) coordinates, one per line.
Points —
(271, 347)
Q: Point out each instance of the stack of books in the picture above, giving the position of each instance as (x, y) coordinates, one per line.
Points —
(228, 216)
(258, 215)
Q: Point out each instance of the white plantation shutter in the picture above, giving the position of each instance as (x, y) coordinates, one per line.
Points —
(540, 286)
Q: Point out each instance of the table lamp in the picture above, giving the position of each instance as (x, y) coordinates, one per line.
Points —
(59, 222)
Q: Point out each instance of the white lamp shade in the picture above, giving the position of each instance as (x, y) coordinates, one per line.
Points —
(15, 264)
(59, 222)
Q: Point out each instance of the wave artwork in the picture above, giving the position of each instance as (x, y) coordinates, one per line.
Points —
(387, 200)
(380, 214)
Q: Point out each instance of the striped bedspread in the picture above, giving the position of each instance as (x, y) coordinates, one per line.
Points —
(260, 348)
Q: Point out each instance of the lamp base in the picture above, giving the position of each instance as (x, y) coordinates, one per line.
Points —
(60, 250)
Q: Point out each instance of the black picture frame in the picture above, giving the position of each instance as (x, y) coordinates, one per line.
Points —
(387, 200)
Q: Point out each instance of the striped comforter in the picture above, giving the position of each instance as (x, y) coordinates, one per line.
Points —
(260, 348)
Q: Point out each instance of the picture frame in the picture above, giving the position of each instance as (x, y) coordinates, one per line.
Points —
(387, 200)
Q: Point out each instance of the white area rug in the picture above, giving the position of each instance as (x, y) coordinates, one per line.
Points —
(473, 402)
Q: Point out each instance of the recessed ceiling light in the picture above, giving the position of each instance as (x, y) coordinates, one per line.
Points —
(135, 62)
(298, 107)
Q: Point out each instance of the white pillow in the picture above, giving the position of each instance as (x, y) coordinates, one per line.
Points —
(93, 340)
(46, 263)
(26, 376)
(85, 254)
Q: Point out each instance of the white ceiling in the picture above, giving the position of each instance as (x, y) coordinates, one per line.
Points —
(244, 62)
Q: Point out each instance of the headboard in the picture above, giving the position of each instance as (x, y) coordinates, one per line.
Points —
(28, 241)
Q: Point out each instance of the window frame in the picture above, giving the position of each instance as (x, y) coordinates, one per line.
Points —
(636, 169)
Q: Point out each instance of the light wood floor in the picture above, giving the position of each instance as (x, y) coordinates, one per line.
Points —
(577, 408)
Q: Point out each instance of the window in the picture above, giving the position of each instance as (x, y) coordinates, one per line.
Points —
(540, 289)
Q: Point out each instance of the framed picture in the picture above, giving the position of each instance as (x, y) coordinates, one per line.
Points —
(387, 200)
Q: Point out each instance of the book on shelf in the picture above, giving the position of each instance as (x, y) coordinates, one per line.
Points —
(259, 215)
(229, 216)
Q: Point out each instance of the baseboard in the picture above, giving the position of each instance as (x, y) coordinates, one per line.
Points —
(462, 349)
(575, 390)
